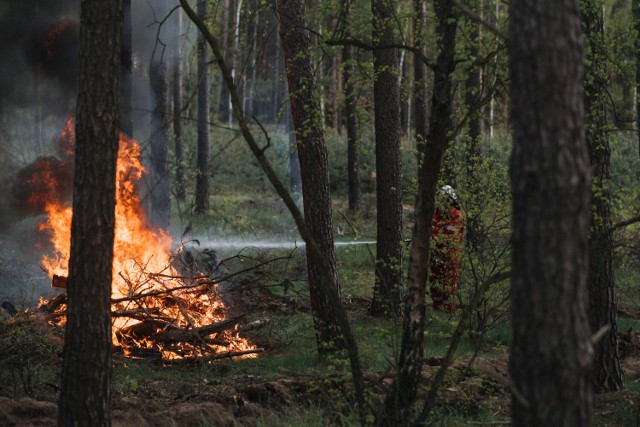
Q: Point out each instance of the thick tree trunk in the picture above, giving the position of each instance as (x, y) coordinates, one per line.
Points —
(160, 186)
(202, 172)
(430, 155)
(602, 299)
(388, 282)
(551, 350)
(181, 192)
(353, 146)
(85, 396)
(314, 168)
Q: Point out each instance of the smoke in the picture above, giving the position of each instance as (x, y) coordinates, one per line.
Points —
(39, 50)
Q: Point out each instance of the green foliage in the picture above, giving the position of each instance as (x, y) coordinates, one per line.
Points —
(29, 352)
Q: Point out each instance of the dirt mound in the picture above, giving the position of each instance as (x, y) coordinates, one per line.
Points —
(27, 412)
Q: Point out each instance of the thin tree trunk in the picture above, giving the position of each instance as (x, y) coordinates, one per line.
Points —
(202, 173)
(551, 349)
(314, 168)
(181, 192)
(85, 395)
(330, 289)
(388, 281)
(353, 146)
(223, 98)
(430, 156)
(602, 299)
(160, 186)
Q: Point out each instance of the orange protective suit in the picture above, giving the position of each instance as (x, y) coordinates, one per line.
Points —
(446, 242)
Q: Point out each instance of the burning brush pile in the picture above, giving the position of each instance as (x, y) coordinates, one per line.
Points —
(162, 307)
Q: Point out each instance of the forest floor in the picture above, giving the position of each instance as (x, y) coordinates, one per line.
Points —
(251, 393)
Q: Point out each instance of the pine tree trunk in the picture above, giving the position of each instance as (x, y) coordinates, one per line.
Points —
(160, 186)
(430, 155)
(551, 350)
(388, 281)
(85, 395)
(602, 298)
(314, 169)
(353, 146)
(202, 169)
(181, 192)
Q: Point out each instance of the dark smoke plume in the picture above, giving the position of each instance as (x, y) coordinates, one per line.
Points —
(38, 45)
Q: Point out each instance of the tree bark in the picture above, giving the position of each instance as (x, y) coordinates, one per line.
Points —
(388, 281)
(85, 396)
(602, 298)
(314, 168)
(430, 156)
(551, 350)
(181, 192)
(202, 173)
(353, 146)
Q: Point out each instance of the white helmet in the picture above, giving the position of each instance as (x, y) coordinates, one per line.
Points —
(448, 192)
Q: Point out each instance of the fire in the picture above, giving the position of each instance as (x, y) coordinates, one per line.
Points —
(143, 271)
(51, 36)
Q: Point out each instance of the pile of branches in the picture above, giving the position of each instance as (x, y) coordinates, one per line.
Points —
(174, 317)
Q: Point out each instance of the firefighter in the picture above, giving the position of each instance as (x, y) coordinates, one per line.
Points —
(446, 242)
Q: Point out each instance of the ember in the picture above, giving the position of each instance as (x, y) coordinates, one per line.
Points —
(155, 310)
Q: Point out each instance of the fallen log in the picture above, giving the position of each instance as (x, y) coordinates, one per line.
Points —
(141, 330)
(195, 334)
(51, 305)
(218, 356)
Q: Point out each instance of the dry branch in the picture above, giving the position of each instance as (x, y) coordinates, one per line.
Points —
(196, 334)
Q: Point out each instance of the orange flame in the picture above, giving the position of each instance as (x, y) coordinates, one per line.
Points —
(51, 36)
(142, 261)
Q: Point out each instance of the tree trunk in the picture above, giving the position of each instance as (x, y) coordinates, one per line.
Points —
(602, 299)
(126, 71)
(430, 156)
(181, 192)
(85, 396)
(388, 282)
(223, 98)
(314, 169)
(202, 173)
(551, 350)
(160, 187)
(353, 146)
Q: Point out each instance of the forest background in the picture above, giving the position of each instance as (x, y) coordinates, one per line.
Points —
(38, 96)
